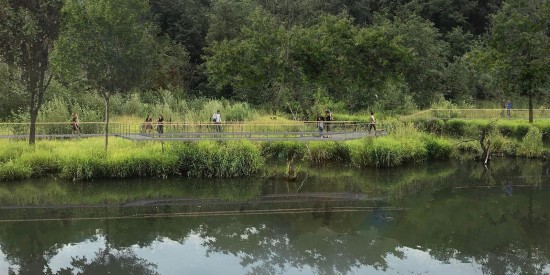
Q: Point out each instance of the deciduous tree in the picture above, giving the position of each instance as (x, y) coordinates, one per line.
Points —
(520, 42)
(108, 45)
(27, 33)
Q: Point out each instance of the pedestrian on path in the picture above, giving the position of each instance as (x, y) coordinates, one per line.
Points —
(217, 118)
(320, 125)
(160, 125)
(372, 123)
(76, 124)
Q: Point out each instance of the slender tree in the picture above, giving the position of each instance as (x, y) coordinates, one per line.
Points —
(108, 45)
(520, 42)
(27, 33)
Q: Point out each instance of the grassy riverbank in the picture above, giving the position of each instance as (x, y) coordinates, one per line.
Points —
(85, 159)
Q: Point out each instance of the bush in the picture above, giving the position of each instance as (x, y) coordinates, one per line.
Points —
(455, 127)
(13, 170)
(283, 149)
(219, 159)
(330, 152)
(531, 146)
(437, 148)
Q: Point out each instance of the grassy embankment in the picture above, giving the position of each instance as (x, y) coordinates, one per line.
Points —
(517, 138)
(85, 159)
(437, 139)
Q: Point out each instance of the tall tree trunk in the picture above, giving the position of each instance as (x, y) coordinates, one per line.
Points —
(32, 127)
(107, 96)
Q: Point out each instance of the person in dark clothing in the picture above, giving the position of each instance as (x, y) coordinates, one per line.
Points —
(160, 125)
(328, 119)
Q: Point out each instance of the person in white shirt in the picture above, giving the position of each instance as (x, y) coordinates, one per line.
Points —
(218, 120)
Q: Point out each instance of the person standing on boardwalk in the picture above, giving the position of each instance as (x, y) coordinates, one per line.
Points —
(218, 121)
(328, 119)
(148, 124)
(160, 125)
(320, 125)
(372, 123)
(76, 124)
(508, 107)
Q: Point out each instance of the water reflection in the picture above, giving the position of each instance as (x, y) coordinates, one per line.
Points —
(453, 218)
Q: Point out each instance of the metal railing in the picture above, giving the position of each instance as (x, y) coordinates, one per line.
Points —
(186, 130)
(481, 114)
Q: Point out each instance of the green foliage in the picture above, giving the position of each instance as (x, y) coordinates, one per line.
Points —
(519, 43)
(12, 94)
(405, 146)
(283, 149)
(219, 159)
(239, 112)
(437, 148)
(455, 127)
(330, 152)
(119, 64)
(14, 171)
(531, 145)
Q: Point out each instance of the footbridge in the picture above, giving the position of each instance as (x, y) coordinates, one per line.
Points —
(176, 131)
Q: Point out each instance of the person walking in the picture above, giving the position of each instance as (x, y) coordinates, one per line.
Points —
(218, 121)
(76, 124)
(328, 119)
(148, 124)
(372, 123)
(320, 125)
(508, 107)
(160, 125)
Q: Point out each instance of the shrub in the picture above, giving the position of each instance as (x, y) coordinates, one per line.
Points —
(437, 148)
(283, 149)
(455, 127)
(330, 152)
(219, 159)
(531, 146)
(13, 170)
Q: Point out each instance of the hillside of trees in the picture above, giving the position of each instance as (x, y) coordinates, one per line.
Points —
(278, 55)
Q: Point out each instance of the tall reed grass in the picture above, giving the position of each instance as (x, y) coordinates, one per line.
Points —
(85, 159)
(516, 129)
(406, 145)
(218, 159)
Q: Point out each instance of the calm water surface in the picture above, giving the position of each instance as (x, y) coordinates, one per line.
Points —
(445, 218)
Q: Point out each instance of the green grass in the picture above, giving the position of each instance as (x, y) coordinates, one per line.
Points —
(85, 159)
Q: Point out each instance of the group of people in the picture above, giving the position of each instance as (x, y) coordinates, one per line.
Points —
(148, 125)
(324, 122)
(506, 105)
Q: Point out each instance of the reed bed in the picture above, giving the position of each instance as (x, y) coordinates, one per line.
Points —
(85, 159)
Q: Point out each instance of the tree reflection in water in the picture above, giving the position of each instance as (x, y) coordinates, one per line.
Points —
(464, 214)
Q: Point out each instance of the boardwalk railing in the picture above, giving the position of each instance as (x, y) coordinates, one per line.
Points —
(481, 114)
(189, 131)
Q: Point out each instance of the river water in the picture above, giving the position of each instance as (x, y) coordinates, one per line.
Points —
(451, 217)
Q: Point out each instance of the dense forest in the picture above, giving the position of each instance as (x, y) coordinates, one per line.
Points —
(276, 55)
